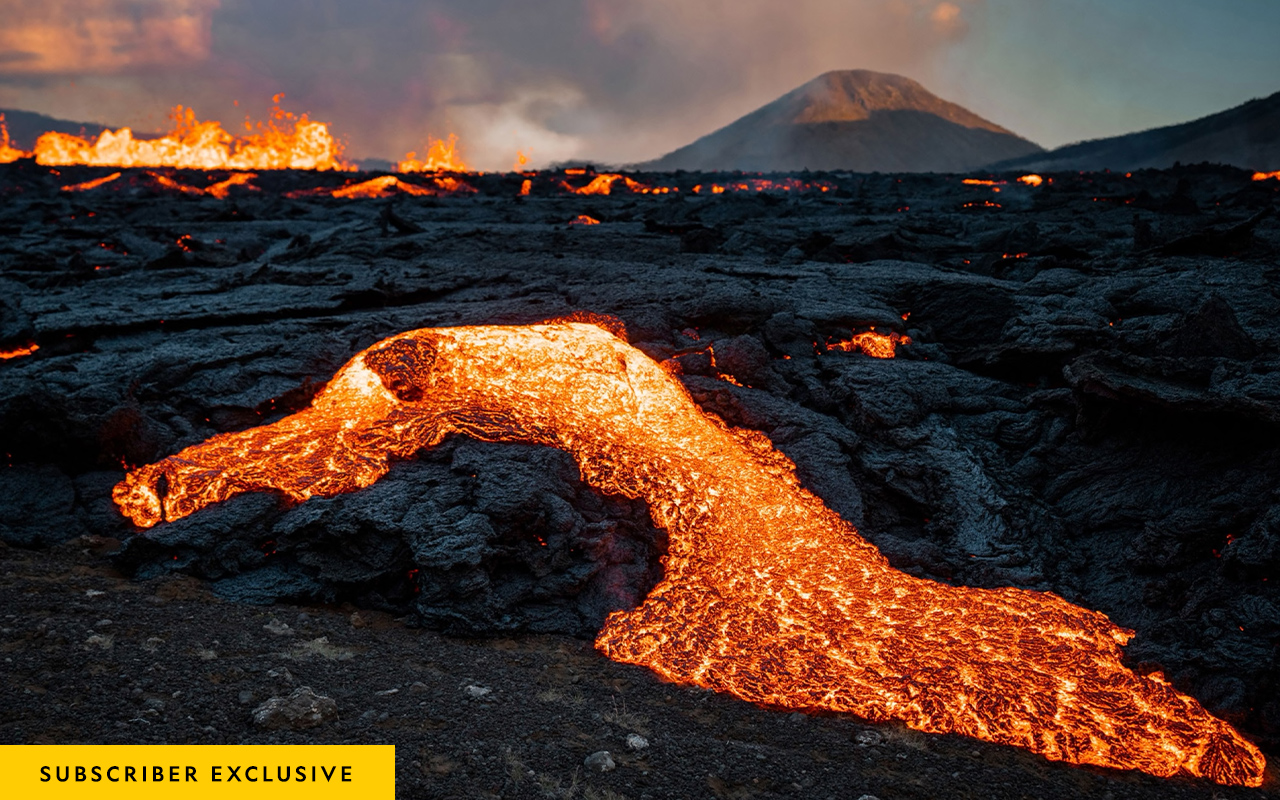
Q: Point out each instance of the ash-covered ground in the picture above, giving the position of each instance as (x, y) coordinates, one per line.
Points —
(1090, 405)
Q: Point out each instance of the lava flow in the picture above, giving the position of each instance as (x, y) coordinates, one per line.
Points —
(8, 153)
(767, 594)
(285, 142)
(876, 345)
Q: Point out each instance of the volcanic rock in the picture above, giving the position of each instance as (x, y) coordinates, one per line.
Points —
(854, 120)
(1072, 415)
(302, 709)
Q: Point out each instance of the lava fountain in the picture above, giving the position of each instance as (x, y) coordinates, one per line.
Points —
(768, 594)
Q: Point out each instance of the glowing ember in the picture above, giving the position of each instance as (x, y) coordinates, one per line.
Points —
(8, 153)
(1031, 180)
(285, 142)
(1257, 176)
(767, 594)
(442, 156)
(19, 352)
(876, 345)
(521, 160)
(583, 219)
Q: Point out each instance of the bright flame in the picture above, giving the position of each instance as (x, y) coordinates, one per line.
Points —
(876, 345)
(1031, 180)
(286, 141)
(441, 156)
(8, 153)
(19, 352)
(767, 593)
(1263, 176)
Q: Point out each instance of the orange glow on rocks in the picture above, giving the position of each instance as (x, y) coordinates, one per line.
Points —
(1264, 176)
(19, 352)
(441, 156)
(285, 141)
(876, 345)
(583, 219)
(767, 593)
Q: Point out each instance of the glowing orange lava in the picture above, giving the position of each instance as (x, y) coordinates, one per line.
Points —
(876, 345)
(19, 352)
(441, 156)
(767, 593)
(1264, 176)
(1031, 180)
(93, 184)
(386, 186)
(286, 141)
(222, 189)
(583, 219)
(979, 182)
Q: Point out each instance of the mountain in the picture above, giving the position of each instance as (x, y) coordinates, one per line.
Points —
(26, 126)
(853, 120)
(1246, 136)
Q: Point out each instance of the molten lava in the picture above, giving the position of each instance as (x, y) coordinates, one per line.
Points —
(583, 219)
(441, 156)
(876, 345)
(19, 352)
(1257, 176)
(286, 141)
(1031, 180)
(93, 184)
(768, 594)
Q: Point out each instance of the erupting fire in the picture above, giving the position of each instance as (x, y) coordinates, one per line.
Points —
(876, 345)
(767, 593)
(19, 352)
(8, 153)
(441, 156)
(1257, 176)
(286, 141)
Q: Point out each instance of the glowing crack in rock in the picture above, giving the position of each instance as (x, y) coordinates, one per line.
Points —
(767, 593)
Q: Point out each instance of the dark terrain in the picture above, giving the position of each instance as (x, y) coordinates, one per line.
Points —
(1247, 136)
(1090, 406)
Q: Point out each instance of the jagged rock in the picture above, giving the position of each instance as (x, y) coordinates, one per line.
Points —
(302, 709)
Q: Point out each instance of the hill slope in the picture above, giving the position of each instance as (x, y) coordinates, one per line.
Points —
(26, 126)
(1246, 136)
(856, 120)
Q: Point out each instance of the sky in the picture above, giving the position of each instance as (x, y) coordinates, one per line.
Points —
(621, 81)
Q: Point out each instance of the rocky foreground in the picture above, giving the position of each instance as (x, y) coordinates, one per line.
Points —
(1090, 405)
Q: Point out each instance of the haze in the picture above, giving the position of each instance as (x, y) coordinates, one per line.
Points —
(618, 81)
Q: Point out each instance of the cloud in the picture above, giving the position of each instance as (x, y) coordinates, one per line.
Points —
(614, 81)
(44, 37)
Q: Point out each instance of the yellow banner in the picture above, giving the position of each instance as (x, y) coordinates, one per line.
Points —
(230, 772)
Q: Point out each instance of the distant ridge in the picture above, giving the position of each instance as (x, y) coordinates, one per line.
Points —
(26, 126)
(853, 120)
(1247, 136)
